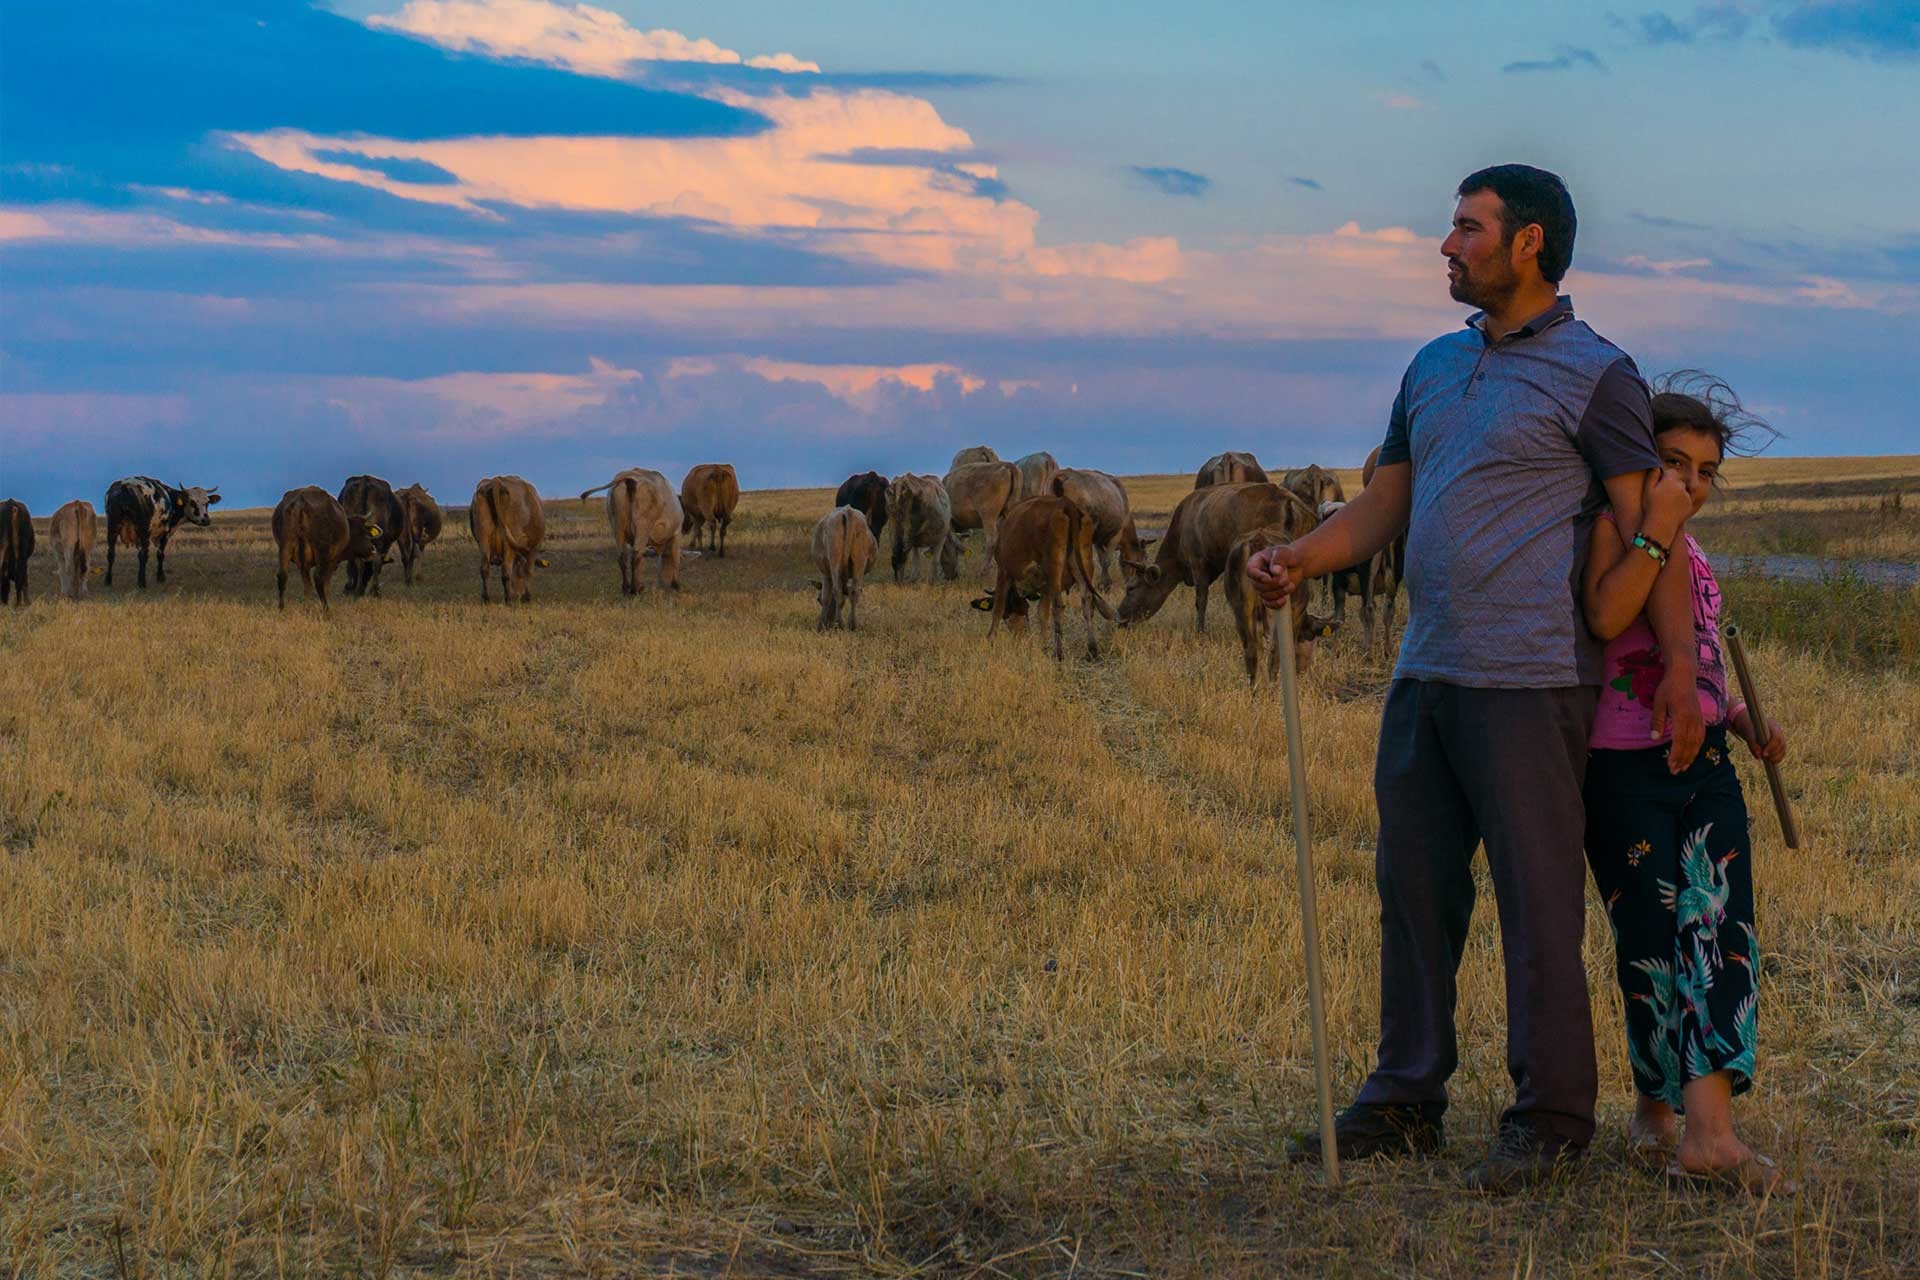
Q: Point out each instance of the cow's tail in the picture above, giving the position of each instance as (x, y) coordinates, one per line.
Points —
(599, 488)
(1077, 561)
(493, 513)
(1059, 486)
(10, 540)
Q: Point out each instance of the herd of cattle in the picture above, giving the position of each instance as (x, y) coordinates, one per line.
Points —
(1043, 527)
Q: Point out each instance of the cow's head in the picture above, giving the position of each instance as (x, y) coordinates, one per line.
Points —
(1307, 628)
(1133, 553)
(192, 502)
(361, 533)
(950, 553)
(1148, 586)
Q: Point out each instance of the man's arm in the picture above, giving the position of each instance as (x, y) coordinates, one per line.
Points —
(1354, 533)
(1670, 615)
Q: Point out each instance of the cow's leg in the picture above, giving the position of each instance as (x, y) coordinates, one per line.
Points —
(670, 563)
(1086, 615)
(1200, 590)
(141, 578)
(113, 537)
(309, 572)
(484, 567)
(853, 601)
(724, 522)
(353, 576)
(1366, 610)
(315, 577)
(373, 572)
(1246, 621)
(1106, 566)
(406, 561)
(160, 558)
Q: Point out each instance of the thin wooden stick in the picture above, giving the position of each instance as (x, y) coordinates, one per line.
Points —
(1309, 912)
(1737, 652)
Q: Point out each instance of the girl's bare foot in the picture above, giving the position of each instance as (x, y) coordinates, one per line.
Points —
(1653, 1134)
(1725, 1161)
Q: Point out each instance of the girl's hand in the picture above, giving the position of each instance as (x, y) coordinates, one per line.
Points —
(1776, 749)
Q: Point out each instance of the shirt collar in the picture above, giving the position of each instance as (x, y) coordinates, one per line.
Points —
(1562, 309)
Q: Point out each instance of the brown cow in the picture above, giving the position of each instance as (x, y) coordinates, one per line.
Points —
(508, 525)
(420, 523)
(980, 494)
(978, 453)
(72, 531)
(1205, 525)
(1037, 471)
(1230, 468)
(16, 548)
(1389, 566)
(645, 515)
(315, 532)
(922, 520)
(1047, 543)
(707, 497)
(1104, 499)
(372, 499)
(843, 550)
(866, 494)
(1250, 616)
(1314, 485)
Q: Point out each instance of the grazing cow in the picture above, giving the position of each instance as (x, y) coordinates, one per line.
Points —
(1037, 471)
(142, 512)
(315, 533)
(1205, 525)
(1389, 567)
(72, 531)
(1314, 485)
(707, 497)
(922, 520)
(1104, 499)
(980, 494)
(645, 516)
(978, 453)
(1250, 617)
(866, 494)
(16, 548)
(373, 500)
(508, 525)
(843, 550)
(1230, 468)
(1047, 543)
(420, 523)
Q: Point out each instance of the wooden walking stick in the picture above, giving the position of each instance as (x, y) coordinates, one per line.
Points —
(1737, 653)
(1309, 913)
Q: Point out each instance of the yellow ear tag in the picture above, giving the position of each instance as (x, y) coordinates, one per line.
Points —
(373, 531)
(541, 562)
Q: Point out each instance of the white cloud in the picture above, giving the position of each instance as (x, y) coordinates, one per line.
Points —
(579, 37)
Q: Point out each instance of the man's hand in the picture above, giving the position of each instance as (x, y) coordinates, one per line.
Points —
(1275, 573)
(1665, 505)
(1676, 703)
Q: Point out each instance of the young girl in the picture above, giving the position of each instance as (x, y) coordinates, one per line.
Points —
(1670, 851)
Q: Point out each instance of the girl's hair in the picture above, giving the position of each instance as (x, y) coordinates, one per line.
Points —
(1695, 401)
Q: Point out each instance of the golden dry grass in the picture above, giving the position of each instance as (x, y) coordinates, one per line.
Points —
(633, 937)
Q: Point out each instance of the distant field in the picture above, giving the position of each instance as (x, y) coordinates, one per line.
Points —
(618, 937)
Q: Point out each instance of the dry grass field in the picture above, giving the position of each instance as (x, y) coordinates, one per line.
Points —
(667, 936)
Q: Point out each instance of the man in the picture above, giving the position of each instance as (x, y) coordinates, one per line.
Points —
(1505, 439)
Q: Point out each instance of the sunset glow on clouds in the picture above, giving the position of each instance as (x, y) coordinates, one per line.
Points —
(632, 242)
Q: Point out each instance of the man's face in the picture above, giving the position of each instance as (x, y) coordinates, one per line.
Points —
(1480, 267)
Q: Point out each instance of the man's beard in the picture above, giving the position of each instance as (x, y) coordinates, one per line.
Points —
(1485, 295)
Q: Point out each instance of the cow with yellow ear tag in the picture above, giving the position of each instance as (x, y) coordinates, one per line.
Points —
(315, 534)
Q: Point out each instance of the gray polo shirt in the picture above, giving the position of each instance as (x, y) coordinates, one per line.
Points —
(1510, 441)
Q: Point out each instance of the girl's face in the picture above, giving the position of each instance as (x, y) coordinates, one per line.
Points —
(1695, 455)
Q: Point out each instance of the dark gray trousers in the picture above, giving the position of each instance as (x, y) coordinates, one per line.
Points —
(1458, 767)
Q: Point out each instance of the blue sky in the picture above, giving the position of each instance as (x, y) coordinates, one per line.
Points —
(263, 244)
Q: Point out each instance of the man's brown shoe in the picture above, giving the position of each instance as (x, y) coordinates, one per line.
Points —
(1365, 1130)
(1523, 1156)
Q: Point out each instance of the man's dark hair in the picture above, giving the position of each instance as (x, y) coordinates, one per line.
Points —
(1531, 195)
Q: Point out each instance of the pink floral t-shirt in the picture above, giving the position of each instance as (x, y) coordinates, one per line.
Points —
(1634, 667)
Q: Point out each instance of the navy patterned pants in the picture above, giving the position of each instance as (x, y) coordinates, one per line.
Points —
(1673, 861)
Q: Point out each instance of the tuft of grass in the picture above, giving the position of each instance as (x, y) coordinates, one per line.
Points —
(1843, 620)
